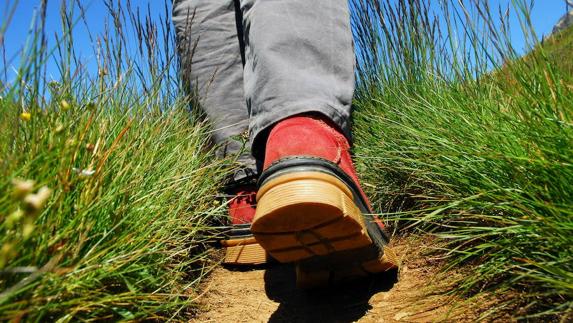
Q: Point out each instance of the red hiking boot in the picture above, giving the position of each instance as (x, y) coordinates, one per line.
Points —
(241, 247)
(311, 209)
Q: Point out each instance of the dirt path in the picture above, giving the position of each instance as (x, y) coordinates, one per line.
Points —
(414, 294)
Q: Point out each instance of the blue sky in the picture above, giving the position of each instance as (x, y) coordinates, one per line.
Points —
(545, 14)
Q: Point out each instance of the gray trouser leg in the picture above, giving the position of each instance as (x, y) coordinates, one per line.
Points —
(212, 68)
(299, 58)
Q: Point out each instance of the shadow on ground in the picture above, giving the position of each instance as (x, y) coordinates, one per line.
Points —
(344, 303)
(269, 294)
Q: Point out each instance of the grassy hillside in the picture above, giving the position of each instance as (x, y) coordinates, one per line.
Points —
(107, 185)
(559, 51)
(484, 163)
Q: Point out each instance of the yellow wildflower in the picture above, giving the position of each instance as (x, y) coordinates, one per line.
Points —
(26, 116)
(6, 253)
(13, 218)
(27, 229)
(65, 105)
(59, 129)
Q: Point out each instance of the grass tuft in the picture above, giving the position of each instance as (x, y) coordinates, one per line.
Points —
(107, 185)
(469, 142)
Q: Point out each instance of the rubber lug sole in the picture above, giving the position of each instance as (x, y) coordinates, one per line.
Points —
(311, 218)
(244, 252)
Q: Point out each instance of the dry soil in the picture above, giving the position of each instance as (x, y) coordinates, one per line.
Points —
(415, 293)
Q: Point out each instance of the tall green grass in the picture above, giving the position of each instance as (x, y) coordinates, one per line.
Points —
(106, 182)
(466, 141)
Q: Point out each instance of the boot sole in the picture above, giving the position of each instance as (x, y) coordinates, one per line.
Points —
(308, 215)
(244, 252)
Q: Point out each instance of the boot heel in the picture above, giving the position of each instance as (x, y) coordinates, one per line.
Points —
(306, 214)
(388, 261)
(244, 252)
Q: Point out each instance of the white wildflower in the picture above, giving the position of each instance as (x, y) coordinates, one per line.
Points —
(22, 187)
(35, 202)
(84, 172)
